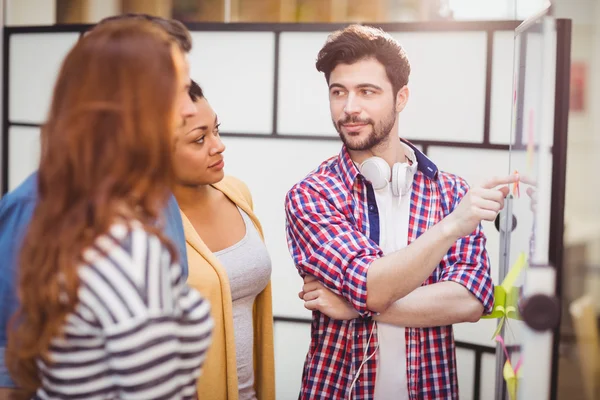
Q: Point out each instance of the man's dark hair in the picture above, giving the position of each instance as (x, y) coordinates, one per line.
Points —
(195, 91)
(358, 42)
(173, 27)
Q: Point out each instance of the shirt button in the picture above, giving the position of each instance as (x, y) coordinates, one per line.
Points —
(371, 207)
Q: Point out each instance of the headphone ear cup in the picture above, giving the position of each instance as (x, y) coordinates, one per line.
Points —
(376, 171)
(399, 179)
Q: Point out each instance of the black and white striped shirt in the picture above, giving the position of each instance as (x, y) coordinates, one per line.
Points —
(137, 332)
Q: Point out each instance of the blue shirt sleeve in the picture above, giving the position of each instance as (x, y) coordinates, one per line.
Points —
(5, 379)
(174, 231)
(16, 210)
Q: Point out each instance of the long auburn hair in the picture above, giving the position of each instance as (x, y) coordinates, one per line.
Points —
(105, 155)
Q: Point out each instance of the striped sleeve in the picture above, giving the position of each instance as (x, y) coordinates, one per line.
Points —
(160, 337)
(138, 331)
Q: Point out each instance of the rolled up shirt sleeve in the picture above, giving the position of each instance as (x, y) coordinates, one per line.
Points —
(325, 244)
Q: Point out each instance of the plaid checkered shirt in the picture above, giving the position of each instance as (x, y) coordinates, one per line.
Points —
(332, 225)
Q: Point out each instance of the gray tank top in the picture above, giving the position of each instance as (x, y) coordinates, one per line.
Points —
(248, 267)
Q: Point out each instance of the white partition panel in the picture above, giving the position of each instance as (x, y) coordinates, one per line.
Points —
(34, 61)
(447, 86)
(291, 346)
(465, 365)
(270, 167)
(488, 377)
(303, 95)
(23, 154)
(236, 71)
(479, 333)
(502, 87)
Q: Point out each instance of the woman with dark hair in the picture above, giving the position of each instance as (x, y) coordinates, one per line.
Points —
(228, 262)
(104, 308)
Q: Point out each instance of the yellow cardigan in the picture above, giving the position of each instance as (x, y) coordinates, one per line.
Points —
(219, 379)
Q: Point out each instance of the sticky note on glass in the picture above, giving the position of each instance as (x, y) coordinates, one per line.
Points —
(515, 188)
(506, 296)
(511, 375)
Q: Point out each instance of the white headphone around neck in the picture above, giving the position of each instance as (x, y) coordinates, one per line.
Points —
(377, 171)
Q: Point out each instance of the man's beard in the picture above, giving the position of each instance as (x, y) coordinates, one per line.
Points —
(379, 134)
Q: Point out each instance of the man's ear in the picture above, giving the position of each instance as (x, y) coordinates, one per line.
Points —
(402, 98)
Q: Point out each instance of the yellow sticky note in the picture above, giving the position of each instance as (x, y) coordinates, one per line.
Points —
(506, 296)
(511, 379)
(511, 375)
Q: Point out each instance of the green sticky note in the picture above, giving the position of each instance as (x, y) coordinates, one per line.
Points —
(511, 380)
(506, 296)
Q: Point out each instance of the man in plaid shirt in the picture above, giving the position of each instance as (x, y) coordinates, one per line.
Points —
(391, 249)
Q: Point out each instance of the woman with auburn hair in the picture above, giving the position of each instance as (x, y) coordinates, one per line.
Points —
(104, 309)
